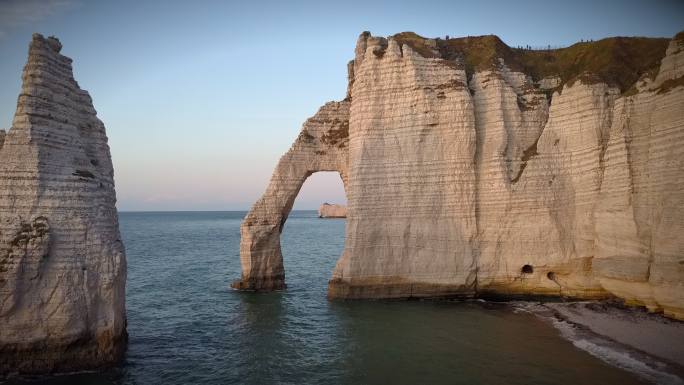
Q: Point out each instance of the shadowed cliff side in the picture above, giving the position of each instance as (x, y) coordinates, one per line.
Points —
(62, 262)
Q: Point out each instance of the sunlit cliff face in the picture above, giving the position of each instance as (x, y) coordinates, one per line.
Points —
(467, 176)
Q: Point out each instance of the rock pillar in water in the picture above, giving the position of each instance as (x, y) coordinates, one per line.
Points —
(62, 262)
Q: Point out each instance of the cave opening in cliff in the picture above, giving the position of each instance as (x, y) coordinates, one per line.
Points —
(312, 245)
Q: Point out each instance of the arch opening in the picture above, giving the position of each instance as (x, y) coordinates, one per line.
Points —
(311, 246)
(319, 188)
(322, 145)
(262, 228)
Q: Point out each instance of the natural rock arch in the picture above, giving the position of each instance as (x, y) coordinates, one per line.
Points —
(461, 171)
(322, 145)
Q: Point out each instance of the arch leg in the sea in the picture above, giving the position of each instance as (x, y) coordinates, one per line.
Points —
(322, 145)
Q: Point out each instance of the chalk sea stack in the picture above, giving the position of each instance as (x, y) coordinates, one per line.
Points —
(328, 210)
(62, 262)
(475, 169)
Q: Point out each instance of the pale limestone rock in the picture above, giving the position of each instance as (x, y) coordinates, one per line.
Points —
(408, 111)
(640, 214)
(332, 211)
(62, 262)
(550, 82)
(322, 145)
(491, 184)
(672, 65)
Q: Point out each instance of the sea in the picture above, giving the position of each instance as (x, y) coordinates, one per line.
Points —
(187, 326)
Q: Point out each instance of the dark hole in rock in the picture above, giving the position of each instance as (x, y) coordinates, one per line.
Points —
(527, 269)
(551, 275)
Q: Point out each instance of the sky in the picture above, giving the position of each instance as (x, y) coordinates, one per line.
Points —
(201, 98)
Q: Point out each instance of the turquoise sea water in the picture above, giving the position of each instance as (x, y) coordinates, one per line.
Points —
(186, 326)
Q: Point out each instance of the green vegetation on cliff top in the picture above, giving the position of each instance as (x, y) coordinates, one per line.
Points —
(618, 61)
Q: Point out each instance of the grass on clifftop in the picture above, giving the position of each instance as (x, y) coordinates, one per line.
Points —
(618, 61)
(416, 42)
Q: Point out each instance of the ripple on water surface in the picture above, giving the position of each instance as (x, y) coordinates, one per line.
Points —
(186, 326)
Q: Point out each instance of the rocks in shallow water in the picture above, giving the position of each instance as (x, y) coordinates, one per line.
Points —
(332, 211)
(62, 262)
(462, 173)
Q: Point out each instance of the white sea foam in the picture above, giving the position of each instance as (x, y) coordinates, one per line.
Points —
(616, 355)
(610, 352)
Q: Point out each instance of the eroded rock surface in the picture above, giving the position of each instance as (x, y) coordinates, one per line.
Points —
(468, 176)
(62, 262)
(322, 145)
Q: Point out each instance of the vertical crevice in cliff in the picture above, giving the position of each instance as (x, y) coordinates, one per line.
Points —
(477, 164)
(527, 155)
(531, 151)
(606, 123)
(604, 136)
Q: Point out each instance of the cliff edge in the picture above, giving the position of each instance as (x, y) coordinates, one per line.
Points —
(62, 262)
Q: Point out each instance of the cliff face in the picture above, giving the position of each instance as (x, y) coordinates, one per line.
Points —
(411, 151)
(475, 169)
(62, 262)
(332, 211)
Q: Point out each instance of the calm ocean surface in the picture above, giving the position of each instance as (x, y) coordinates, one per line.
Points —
(186, 326)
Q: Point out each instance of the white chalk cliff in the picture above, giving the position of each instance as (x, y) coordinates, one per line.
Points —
(62, 262)
(321, 146)
(328, 210)
(475, 169)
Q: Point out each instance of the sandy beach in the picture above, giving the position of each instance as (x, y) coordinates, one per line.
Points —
(650, 345)
(650, 333)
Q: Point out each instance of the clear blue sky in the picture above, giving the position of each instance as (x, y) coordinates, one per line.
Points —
(201, 98)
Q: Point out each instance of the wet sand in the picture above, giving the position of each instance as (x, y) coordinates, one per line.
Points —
(650, 333)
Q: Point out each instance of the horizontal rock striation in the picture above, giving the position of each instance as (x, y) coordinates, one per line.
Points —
(62, 262)
(322, 145)
(332, 211)
(475, 169)
(411, 150)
